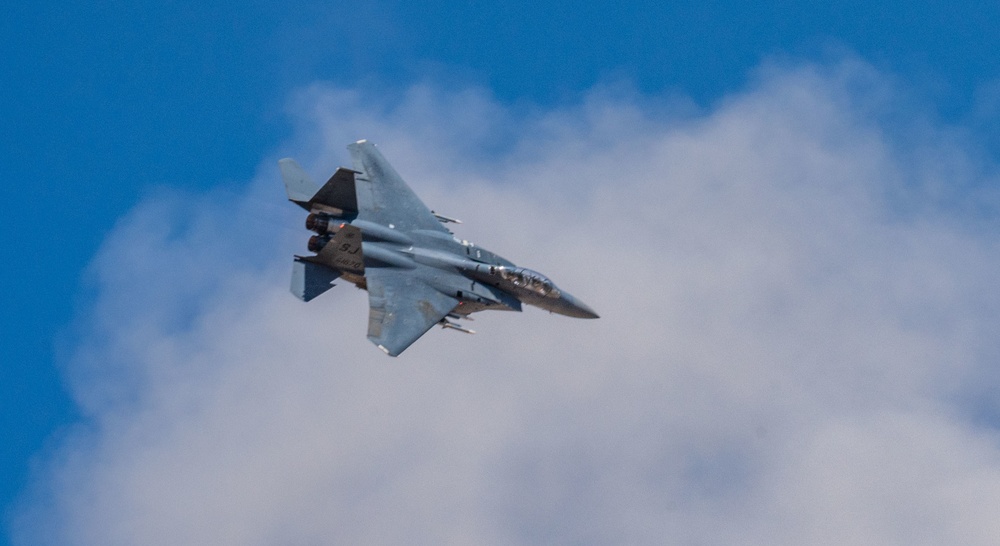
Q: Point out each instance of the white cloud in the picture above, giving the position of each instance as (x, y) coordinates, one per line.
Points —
(794, 346)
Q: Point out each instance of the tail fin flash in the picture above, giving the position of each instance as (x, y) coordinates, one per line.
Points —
(309, 279)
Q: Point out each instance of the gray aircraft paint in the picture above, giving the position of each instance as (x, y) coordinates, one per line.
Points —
(373, 231)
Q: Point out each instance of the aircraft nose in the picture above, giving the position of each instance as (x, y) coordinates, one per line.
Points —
(576, 308)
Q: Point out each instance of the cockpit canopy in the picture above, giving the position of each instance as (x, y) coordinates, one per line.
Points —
(528, 279)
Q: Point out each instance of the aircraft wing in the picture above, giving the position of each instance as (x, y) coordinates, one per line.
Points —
(382, 195)
(402, 308)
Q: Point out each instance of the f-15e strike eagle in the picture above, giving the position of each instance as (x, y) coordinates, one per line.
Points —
(373, 231)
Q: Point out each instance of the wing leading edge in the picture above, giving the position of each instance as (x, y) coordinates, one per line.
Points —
(402, 308)
(382, 195)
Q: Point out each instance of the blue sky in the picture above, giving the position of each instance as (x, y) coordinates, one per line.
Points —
(107, 105)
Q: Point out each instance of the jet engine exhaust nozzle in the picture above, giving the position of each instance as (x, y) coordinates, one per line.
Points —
(318, 222)
(317, 242)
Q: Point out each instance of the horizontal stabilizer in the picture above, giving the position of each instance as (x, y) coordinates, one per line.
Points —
(338, 192)
(299, 187)
(310, 279)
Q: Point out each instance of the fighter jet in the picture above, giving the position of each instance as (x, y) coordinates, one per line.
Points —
(373, 231)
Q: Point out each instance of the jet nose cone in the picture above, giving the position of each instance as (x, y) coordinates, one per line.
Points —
(578, 309)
